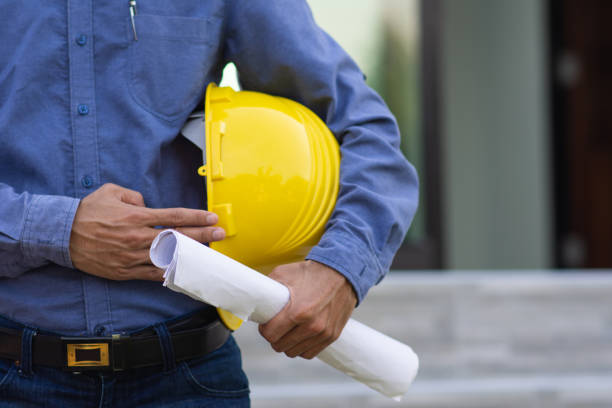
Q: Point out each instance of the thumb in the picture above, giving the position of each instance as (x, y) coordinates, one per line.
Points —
(129, 196)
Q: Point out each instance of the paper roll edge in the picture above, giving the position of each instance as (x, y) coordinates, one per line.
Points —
(397, 389)
(155, 252)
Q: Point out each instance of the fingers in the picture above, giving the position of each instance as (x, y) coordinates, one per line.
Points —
(298, 335)
(207, 234)
(153, 217)
(179, 217)
(309, 348)
(320, 304)
(275, 331)
(306, 340)
(142, 238)
(280, 325)
(113, 231)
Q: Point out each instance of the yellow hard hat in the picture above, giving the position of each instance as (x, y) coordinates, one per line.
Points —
(272, 177)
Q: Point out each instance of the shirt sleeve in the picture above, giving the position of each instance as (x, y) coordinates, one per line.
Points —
(34, 230)
(278, 49)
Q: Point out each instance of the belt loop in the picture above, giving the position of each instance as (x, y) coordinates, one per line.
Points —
(26, 352)
(165, 344)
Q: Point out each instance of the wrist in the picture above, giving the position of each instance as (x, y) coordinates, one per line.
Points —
(336, 280)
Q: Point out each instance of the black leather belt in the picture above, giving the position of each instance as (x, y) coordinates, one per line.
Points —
(116, 353)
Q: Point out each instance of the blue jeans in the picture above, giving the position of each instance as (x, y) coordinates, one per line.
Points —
(215, 380)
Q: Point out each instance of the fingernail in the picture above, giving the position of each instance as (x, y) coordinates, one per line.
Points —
(218, 234)
(212, 218)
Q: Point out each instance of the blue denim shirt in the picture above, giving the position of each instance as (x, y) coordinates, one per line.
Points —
(82, 104)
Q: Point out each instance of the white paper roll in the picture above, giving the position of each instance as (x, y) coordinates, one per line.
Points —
(382, 363)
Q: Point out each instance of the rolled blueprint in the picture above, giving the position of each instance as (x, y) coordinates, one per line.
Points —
(380, 362)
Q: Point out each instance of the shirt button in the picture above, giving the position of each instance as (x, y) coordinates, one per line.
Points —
(99, 330)
(81, 40)
(83, 109)
(87, 181)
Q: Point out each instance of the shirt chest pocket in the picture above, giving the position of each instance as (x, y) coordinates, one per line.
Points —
(169, 63)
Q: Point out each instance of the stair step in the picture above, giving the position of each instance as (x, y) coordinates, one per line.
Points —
(480, 331)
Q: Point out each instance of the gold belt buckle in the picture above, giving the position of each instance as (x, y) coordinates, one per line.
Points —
(87, 355)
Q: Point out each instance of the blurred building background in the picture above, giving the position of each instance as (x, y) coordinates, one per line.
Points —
(503, 285)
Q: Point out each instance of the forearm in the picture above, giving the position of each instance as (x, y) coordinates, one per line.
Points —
(378, 187)
(376, 203)
(34, 230)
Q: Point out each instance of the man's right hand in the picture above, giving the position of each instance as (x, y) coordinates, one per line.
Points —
(113, 231)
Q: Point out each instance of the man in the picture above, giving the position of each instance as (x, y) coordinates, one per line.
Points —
(93, 97)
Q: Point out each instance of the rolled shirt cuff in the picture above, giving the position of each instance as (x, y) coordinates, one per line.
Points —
(347, 256)
(47, 228)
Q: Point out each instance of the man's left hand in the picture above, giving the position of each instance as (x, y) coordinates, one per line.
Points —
(321, 303)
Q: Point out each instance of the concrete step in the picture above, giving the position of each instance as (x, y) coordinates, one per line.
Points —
(498, 339)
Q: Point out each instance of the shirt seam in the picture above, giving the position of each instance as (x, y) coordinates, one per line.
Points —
(75, 159)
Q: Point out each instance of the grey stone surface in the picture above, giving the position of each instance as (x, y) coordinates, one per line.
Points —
(500, 339)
